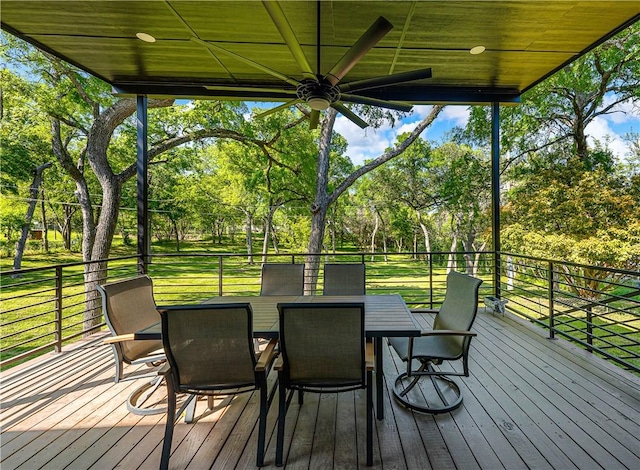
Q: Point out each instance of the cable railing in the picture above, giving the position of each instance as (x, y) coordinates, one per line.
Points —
(43, 309)
(595, 307)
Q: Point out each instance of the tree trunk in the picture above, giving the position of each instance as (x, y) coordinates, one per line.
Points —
(249, 236)
(67, 225)
(268, 222)
(452, 262)
(468, 256)
(96, 272)
(174, 224)
(373, 237)
(33, 199)
(45, 230)
(312, 261)
(320, 205)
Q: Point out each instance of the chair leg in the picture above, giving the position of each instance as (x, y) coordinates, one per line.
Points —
(282, 412)
(369, 419)
(262, 423)
(118, 362)
(168, 430)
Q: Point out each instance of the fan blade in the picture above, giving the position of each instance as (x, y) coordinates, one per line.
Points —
(282, 24)
(278, 108)
(369, 39)
(394, 79)
(346, 112)
(314, 119)
(250, 62)
(376, 102)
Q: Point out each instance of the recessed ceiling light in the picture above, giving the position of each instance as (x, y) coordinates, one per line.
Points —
(145, 37)
(477, 50)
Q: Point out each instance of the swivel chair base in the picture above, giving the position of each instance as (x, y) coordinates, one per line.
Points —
(436, 393)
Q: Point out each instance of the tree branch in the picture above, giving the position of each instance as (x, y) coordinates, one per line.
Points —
(385, 157)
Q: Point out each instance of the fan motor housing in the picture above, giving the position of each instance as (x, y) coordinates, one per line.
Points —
(319, 95)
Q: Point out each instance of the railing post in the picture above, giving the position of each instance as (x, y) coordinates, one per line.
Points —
(219, 275)
(589, 328)
(58, 321)
(550, 278)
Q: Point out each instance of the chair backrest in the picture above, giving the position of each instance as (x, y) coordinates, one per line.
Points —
(458, 311)
(322, 344)
(282, 279)
(128, 306)
(344, 279)
(209, 346)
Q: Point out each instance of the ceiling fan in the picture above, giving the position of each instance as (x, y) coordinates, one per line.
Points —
(318, 91)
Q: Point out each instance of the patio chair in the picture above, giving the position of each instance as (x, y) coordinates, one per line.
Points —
(344, 279)
(449, 340)
(128, 306)
(323, 350)
(209, 352)
(282, 279)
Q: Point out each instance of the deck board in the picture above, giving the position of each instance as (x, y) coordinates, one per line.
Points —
(529, 402)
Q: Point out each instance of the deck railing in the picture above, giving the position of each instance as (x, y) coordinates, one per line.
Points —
(598, 308)
(44, 308)
(595, 307)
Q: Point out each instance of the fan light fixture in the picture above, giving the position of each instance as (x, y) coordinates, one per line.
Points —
(318, 103)
(477, 50)
(145, 37)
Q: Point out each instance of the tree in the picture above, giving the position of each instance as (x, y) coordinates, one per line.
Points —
(325, 197)
(34, 190)
(86, 120)
(558, 110)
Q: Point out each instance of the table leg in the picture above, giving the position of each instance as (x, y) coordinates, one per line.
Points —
(377, 347)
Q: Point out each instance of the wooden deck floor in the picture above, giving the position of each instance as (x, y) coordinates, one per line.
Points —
(529, 403)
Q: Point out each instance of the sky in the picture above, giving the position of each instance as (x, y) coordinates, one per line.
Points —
(369, 143)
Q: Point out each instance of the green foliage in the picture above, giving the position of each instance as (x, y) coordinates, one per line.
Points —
(11, 217)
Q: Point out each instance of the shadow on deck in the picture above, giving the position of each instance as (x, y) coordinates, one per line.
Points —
(530, 403)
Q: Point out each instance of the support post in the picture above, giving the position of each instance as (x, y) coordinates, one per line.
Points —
(495, 194)
(142, 164)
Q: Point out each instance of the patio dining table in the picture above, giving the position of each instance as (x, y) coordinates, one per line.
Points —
(385, 316)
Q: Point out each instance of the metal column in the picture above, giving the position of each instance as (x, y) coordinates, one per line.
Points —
(142, 164)
(495, 194)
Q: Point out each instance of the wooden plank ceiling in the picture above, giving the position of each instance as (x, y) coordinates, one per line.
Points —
(525, 41)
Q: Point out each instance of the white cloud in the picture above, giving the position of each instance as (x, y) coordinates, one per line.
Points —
(599, 129)
(623, 112)
(458, 114)
(363, 143)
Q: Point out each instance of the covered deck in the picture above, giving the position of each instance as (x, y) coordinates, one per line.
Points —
(530, 402)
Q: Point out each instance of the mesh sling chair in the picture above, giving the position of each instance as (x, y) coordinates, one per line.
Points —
(128, 306)
(282, 279)
(210, 351)
(449, 340)
(323, 350)
(344, 279)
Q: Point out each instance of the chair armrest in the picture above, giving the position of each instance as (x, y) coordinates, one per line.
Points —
(448, 333)
(267, 356)
(279, 364)
(119, 338)
(369, 356)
